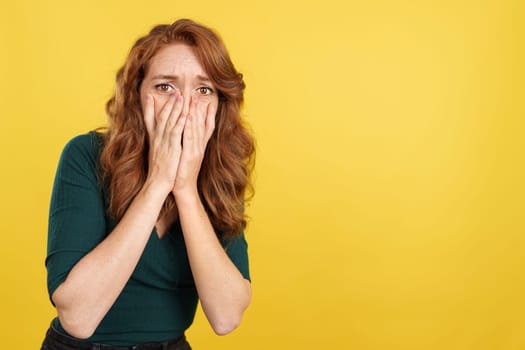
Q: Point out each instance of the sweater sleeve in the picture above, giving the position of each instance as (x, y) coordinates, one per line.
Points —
(76, 215)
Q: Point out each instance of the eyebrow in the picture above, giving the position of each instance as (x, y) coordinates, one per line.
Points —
(175, 77)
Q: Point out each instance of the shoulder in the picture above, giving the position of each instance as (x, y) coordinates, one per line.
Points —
(86, 145)
(81, 155)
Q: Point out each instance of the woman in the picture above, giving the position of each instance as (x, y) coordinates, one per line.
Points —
(147, 217)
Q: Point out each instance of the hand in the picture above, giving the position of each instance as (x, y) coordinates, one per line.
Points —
(165, 133)
(200, 123)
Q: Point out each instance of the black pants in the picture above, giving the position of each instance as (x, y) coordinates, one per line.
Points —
(57, 341)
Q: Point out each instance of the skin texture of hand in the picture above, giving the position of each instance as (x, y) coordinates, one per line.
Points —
(165, 130)
(200, 123)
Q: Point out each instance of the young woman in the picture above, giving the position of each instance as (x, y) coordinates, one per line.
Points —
(147, 217)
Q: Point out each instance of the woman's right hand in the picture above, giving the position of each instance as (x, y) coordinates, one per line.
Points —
(80, 308)
(164, 129)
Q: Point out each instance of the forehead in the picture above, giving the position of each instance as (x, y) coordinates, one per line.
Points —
(177, 59)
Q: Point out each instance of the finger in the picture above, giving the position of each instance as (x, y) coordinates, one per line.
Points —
(149, 114)
(164, 114)
(190, 112)
(203, 106)
(197, 140)
(178, 129)
(210, 121)
(202, 123)
(198, 121)
(176, 132)
(175, 112)
(187, 135)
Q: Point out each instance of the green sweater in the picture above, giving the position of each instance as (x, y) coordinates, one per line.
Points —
(159, 300)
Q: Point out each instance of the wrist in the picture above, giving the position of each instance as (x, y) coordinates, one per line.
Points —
(186, 195)
(156, 189)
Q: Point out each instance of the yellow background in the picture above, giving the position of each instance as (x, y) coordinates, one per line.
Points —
(390, 170)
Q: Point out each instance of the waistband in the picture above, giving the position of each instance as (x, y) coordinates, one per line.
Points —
(176, 344)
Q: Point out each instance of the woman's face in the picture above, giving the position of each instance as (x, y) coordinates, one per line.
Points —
(175, 69)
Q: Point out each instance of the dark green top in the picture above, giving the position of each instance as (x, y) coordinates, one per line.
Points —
(159, 301)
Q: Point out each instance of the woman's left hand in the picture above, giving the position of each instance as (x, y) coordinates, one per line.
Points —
(200, 123)
(223, 292)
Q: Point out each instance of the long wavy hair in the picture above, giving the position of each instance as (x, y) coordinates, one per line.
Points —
(224, 178)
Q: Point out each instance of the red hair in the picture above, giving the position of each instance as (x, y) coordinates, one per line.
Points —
(229, 158)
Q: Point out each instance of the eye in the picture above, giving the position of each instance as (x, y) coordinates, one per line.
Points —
(204, 90)
(164, 87)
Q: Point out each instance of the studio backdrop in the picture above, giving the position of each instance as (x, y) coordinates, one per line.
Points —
(389, 183)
